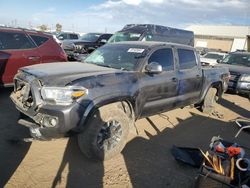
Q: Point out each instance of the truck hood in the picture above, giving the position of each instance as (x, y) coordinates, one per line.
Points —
(61, 74)
(236, 68)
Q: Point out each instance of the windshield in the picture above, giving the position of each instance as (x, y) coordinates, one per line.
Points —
(124, 36)
(237, 59)
(123, 57)
(213, 56)
(92, 37)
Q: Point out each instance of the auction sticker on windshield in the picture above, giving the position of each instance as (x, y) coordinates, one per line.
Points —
(135, 50)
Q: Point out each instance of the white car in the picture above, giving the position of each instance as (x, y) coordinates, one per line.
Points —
(211, 58)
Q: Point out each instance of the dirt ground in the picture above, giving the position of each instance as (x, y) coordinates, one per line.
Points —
(146, 160)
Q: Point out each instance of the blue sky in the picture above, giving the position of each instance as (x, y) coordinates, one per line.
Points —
(112, 15)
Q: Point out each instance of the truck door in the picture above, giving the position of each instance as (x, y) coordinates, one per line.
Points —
(189, 78)
(158, 91)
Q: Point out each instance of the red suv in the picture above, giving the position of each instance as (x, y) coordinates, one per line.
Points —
(22, 47)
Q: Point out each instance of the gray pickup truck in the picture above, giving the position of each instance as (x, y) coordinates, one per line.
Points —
(101, 98)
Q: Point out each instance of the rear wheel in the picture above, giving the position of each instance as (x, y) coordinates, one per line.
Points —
(106, 133)
(209, 101)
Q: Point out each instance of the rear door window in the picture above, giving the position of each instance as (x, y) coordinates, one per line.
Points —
(164, 57)
(14, 41)
(39, 40)
(187, 59)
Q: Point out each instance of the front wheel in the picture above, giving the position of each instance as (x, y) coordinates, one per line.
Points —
(106, 133)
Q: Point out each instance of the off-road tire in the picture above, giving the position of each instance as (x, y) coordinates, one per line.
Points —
(87, 140)
(209, 101)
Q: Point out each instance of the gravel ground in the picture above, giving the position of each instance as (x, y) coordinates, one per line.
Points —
(146, 160)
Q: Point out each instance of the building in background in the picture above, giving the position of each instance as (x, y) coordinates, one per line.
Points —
(225, 38)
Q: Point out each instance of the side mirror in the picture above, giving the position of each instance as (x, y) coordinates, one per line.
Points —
(153, 68)
(60, 37)
(103, 41)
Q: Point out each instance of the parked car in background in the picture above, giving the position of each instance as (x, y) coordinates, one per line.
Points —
(239, 67)
(57, 40)
(85, 45)
(202, 50)
(68, 36)
(212, 58)
(150, 32)
(101, 98)
(22, 47)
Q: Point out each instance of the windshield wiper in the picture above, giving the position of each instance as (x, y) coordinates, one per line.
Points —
(122, 68)
(97, 64)
(104, 65)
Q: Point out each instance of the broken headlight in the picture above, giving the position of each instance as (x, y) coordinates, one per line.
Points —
(63, 95)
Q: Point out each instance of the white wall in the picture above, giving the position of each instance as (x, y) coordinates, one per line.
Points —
(225, 31)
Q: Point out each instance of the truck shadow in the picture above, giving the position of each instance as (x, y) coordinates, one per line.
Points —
(82, 172)
(149, 161)
(12, 151)
(233, 107)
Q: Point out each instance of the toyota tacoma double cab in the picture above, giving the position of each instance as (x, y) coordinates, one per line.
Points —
(100, 98)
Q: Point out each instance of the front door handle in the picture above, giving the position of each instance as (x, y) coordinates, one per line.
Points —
(198, 76)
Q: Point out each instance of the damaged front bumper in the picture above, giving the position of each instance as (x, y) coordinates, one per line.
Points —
(45, 121)
(51, 121)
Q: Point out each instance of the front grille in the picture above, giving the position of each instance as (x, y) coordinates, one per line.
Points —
(23, 93)
(234, 78)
